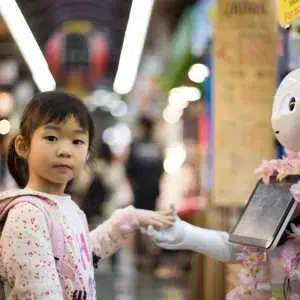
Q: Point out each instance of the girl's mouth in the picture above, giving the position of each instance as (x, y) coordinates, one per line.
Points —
(63, 167)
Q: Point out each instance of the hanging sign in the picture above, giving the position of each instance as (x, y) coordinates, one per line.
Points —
(245, 71)
(288, 10)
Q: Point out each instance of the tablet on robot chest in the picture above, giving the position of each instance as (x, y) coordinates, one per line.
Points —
(266, 214)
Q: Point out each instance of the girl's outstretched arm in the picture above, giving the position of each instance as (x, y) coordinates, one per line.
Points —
(108, 237)
(28, 262)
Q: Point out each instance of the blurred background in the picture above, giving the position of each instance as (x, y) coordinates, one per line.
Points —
(181, 93)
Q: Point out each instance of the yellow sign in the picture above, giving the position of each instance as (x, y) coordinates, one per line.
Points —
(288, 10)
(77, 27)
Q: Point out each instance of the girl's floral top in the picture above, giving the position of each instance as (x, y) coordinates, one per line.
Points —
(28, 266)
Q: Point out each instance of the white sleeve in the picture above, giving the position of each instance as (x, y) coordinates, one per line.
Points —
(212, 243)
(183, 235)
(26, 255)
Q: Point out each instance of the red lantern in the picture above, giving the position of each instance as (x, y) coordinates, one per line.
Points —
(76, 53)
(53, 52)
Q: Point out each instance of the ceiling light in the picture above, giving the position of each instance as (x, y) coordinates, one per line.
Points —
(133, 45)
(27, 44)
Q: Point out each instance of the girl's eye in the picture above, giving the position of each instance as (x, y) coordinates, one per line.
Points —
(78, 142)
(51, 138)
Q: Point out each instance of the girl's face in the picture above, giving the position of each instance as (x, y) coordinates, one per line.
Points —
(56, 155)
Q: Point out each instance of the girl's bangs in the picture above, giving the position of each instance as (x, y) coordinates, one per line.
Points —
(55, 107)
(63, 117)
(49, 112)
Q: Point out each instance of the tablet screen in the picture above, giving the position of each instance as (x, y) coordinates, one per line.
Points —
(265, 213)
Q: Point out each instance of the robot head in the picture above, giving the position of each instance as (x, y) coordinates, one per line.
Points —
(286, 112)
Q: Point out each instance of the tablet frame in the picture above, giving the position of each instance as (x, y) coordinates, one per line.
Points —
(272, 242)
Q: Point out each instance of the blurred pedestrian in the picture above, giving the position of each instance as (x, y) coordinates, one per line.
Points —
(144, 168)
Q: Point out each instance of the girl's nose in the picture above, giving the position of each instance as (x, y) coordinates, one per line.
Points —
(64, 151)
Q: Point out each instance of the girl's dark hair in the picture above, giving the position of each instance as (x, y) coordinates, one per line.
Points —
(45, 108)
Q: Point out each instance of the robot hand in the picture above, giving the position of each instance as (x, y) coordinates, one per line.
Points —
(185, 236)
(170, 238)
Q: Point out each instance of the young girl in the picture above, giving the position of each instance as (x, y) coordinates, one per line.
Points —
(283, 262)
(53, 144)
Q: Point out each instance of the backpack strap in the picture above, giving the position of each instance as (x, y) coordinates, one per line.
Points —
(55, 230)
(84, 221)
(94, 257)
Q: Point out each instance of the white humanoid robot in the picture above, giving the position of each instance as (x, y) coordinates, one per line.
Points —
(286, 127)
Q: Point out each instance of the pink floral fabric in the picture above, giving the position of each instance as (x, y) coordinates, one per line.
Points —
(107, 238)
(26, 259)
(27, 262)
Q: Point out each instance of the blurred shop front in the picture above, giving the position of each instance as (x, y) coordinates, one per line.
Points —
(206, 75)
(214, 91)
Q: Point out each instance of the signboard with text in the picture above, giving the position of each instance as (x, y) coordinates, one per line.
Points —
(244, 86)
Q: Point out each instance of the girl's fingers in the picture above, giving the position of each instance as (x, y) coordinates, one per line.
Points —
(166, 218)
(167, 212)
(169, 217)
(156, 224)
(168, 222)
(161, 220)
(167, 225)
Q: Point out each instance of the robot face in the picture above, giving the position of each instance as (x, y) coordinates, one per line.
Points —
(286, 112)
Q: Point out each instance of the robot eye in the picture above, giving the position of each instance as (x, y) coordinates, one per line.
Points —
(288, 104)
(292, 104)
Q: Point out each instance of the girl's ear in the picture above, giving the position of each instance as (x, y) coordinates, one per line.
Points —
(21, 147)
(88, 156)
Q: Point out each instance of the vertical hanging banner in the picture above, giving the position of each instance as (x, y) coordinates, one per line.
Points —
(288, 10)
(246, 41)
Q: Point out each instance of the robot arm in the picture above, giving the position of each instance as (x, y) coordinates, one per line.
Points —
(185, 236)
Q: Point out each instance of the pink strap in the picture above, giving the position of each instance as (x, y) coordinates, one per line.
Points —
(55, 230)
(85, 223)
(68, 271)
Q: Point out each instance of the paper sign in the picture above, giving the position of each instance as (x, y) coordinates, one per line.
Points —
(245, 55)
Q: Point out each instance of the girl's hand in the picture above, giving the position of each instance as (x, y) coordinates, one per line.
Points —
(170, 238)
(158, 220)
